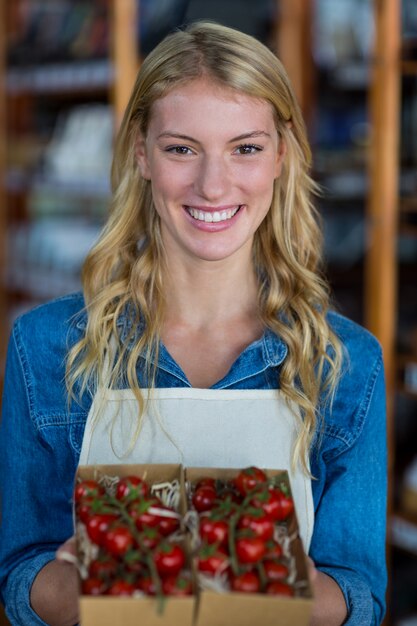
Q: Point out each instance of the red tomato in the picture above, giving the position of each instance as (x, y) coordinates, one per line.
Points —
(97, 526)
(131, 488)
(249, 478)
(278, 588)
(275, 570)
(214, 531)
(269, 500)
(248, 582)
(167, 524)
(259, 523)
(250, 549)
(87, 488)
(211, 560)
(139, 512)
(147, 585)
(133, 562)
(85, 508)
(103, 568)
(177, 586)
(169, 559)
(204, 498)
(121, 588)
(287, 506)
(273, 549)
(93, 587)
(207, 481)
(118, 540)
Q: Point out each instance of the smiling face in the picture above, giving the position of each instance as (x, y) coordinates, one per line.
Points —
(212, 155)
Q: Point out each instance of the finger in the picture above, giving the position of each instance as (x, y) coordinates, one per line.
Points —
(67, 551)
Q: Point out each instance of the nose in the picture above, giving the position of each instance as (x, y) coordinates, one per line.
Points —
(213, 178)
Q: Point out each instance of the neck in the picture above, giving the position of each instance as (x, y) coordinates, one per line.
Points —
(207, 293)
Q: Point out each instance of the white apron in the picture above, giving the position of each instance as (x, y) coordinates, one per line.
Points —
(228, 428)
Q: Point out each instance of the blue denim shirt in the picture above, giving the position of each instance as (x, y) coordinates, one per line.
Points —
(40, 442)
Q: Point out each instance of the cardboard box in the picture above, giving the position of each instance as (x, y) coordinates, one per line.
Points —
(207, 608)
(126, 611)
(249, 609)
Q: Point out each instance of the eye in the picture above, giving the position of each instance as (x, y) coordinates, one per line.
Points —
(248, 148)
(178, 150)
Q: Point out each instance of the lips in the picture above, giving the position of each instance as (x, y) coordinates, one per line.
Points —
(222, 215)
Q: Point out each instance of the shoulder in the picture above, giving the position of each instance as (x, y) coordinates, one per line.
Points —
(361, 382)
(52, 318)
(360, 347)
(44, 334)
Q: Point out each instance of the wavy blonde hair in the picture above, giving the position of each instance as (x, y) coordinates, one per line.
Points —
(122, 277)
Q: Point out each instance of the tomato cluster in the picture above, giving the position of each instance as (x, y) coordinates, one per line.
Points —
(239, 523)
(132, 542)
(132, 538)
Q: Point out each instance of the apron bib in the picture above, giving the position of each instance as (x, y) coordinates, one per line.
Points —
(200, 428)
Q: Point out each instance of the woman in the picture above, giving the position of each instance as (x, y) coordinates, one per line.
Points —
(203, 292)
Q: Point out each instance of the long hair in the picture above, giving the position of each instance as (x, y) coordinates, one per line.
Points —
(122, 276)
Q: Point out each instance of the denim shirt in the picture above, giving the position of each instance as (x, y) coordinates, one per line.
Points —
(41, 436)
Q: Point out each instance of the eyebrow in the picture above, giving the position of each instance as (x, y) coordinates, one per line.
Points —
(251, 135)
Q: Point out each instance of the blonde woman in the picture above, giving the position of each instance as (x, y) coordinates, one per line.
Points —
(204, 330)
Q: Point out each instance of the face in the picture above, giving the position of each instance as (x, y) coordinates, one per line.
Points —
(212, 155)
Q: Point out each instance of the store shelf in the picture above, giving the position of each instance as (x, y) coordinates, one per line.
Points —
(56, 78)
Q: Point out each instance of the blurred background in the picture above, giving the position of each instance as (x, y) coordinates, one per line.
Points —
(66, 71)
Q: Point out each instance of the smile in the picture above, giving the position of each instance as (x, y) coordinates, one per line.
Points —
(212, 216)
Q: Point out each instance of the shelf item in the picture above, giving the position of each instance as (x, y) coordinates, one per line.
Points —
(60, 77)
(404, 534)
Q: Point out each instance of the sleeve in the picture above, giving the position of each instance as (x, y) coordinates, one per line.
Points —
(33, 501)
(348, 542)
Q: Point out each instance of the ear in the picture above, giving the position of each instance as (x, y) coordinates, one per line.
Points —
(281, 152)
(142, 158)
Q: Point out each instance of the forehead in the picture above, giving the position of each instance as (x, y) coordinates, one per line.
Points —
(201, 101)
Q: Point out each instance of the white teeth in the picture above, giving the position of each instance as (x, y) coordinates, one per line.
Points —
(217, 216)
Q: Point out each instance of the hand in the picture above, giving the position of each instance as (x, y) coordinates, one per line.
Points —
(67, 551)
(329, 607)
(54, 593)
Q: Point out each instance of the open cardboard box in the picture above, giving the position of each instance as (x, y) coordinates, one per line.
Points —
(248, 609)
(126, 611)
(208, 608)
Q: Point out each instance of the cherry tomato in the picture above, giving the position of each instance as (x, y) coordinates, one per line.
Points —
(269, 500)
(85, 508)
(279, 588)
(131, 488)
(211, 560)
(147, 585)
(169, 558)
(275, 570)
(273, 549)
(250, 549)
(103, 568)
(93, 586)
(139, 512)
(249, 478)
(87, 488)
(118, 540)
(121, 588)
(97, 526)
(287, 506)
(204, 498)
(167, 524)
(214, 531)
(206, 481)
(177, 586)
(259, 523)
(149, 538)
(248, 582)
